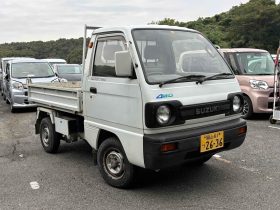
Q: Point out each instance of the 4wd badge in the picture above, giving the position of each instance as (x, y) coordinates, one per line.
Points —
(161, 96)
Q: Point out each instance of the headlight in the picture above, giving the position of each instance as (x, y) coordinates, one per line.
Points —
(236, 104)
(258, 84)
(163, 114)
(18, 86)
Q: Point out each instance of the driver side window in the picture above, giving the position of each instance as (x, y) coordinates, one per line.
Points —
(104, 61)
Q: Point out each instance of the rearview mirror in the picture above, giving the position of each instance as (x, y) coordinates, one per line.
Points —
(123, 64)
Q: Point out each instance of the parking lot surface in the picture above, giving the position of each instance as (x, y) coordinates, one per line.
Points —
(244, 178)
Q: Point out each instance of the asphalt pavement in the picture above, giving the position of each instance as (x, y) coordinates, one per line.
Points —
(245, 178)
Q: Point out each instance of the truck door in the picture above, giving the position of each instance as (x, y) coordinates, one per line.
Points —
(110, 100)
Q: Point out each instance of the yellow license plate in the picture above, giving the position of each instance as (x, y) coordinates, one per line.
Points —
(211, 141)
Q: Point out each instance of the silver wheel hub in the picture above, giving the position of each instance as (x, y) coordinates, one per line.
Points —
(45, 136)
(114, 163)
(245, 108)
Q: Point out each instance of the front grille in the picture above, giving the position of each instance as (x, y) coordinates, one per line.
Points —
(205, 110)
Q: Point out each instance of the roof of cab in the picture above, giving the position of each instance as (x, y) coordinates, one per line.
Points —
(130, 28)
(54, 60)
(240, 50)
(27, 60)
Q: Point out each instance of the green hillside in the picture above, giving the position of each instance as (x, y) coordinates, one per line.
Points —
(254, 24)
(69, 49)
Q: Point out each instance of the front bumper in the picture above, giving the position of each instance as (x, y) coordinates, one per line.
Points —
(20, 99)
(262, 100)
(188, 144)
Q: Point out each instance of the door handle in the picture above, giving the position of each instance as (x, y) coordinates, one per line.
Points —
(93, 90)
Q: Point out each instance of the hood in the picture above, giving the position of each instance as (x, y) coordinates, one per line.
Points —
(36, 80)
(71, 77)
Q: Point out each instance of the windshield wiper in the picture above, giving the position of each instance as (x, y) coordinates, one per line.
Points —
(189, 78)
(215, 76)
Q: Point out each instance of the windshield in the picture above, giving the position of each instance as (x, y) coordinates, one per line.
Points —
(255, 63)
(24, 70)
(69, 69)
(167, 54)
(54, 62)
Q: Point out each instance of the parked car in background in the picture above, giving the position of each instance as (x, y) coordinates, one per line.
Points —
(53, 61)
(1, 80)
(70, 72)
(254, 69)
(3, 62)
(17, 73)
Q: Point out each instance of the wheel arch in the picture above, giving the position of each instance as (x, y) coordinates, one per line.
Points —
(41, 114)
(103, 135)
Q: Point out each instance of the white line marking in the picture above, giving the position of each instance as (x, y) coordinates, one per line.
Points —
(34, 185)
(218, 157)
(274, 127)
(249, 169)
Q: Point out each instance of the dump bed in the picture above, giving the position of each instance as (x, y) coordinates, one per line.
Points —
(65, 96)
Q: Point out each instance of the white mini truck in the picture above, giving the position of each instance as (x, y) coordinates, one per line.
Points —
(151, 97)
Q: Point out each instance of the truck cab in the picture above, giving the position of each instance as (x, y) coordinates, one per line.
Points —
(152, 97)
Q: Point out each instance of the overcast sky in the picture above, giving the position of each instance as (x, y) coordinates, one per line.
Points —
(30, 20)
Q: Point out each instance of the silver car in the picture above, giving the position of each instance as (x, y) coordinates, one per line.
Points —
(17, 73)
(70, 72)
(3, 64)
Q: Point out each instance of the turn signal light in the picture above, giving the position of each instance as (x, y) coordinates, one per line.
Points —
(168, 147)
(242, 130)
(90, 45)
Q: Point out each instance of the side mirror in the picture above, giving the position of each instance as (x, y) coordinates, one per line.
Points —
(123, 65)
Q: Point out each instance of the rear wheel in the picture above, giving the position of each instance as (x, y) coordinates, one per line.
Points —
(247, 111)
(113, 164)
(49, 138)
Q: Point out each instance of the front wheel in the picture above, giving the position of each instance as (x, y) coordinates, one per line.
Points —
(49, 138)
(12, 108)
(113, 164)
(247, 111)
(271, 120)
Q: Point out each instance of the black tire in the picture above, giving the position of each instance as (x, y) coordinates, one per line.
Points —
(271, 120)
(247, 111)
(111, 153)
(200, 161)
(12, 108)
(50, 139)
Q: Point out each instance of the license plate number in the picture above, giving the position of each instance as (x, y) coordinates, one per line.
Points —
(211, 141)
